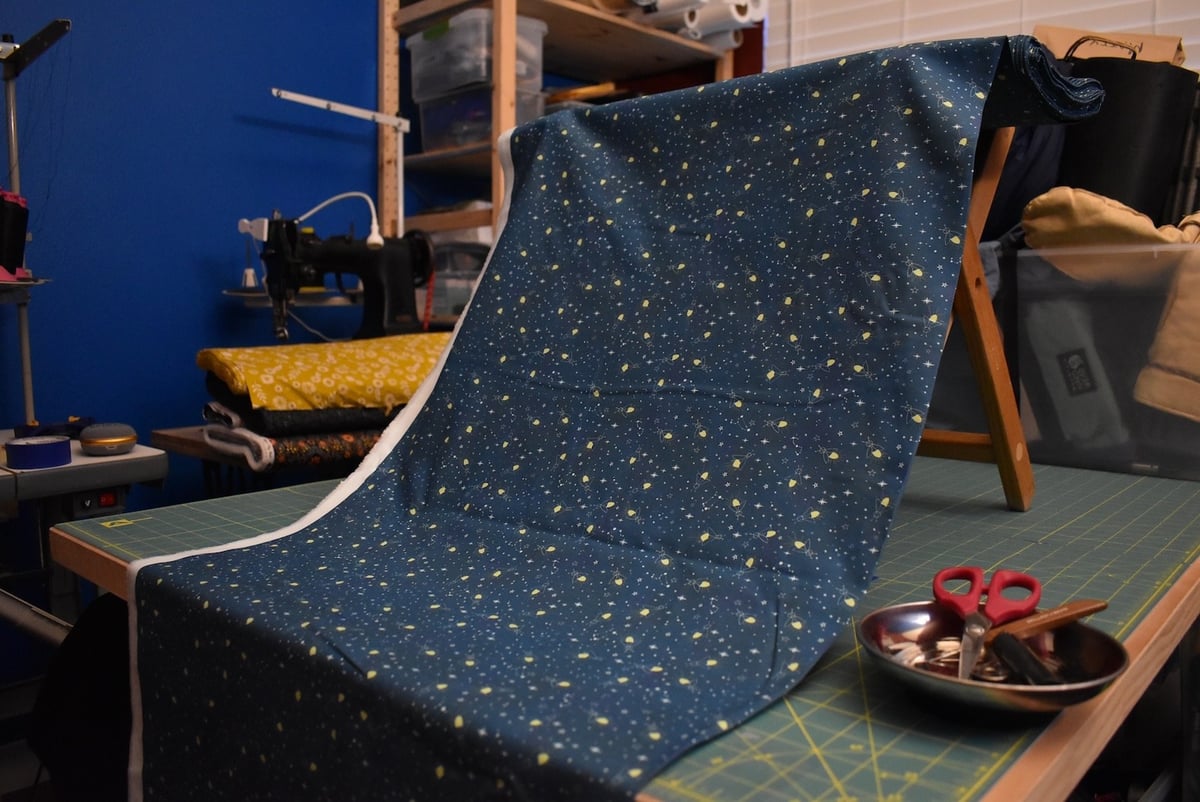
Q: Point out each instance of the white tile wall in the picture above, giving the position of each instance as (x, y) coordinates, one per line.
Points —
(800, 31)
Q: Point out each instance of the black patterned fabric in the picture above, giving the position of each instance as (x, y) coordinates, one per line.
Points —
(653, 477)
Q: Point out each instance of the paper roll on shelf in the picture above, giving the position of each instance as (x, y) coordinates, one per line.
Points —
(650, 10)
(718, 17)
(725, 40)
(667, 14)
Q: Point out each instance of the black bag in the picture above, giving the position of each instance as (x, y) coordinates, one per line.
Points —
(81, 720)
(1131, 151)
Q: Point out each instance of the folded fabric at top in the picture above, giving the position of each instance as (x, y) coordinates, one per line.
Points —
(648, 484)
(379, 373)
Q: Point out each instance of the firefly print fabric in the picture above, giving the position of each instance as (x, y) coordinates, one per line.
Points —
(645, 488)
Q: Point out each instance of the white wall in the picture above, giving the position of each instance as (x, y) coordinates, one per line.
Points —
(800, 31)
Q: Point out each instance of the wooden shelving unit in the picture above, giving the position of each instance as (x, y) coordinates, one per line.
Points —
(582, 42)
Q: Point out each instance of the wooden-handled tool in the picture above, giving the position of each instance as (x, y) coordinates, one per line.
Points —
(1046, 620)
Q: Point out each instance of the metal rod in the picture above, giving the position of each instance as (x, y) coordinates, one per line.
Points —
(10, 103)
(399, 123)
(26, 360)
(33, 619)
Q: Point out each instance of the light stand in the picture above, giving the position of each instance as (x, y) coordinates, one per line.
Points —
(15, 59)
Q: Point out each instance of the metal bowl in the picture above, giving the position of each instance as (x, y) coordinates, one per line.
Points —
(918, 644)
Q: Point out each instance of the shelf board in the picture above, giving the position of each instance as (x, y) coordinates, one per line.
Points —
(473, 160)
(449, 221)
(582, 42)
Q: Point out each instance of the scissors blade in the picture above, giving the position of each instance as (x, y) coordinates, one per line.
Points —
(975, 626)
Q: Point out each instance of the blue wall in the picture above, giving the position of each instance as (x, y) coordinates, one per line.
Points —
(145, 133)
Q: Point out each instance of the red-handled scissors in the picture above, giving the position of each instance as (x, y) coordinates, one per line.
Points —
(998, 609)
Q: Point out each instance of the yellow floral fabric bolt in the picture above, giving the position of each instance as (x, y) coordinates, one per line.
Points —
(379, 373)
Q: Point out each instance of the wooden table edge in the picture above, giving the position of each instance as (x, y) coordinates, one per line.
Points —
(1053, 765)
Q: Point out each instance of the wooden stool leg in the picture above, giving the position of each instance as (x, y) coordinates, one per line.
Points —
(1004, 443)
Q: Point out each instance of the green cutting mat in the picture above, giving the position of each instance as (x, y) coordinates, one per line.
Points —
(167, 530)
(847, 732)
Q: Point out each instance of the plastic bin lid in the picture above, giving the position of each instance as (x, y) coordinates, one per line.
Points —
(440, 29)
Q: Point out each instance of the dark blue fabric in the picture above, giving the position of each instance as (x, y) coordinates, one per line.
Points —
(651, 483)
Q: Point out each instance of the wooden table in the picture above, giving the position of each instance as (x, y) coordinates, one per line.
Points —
(847, 731)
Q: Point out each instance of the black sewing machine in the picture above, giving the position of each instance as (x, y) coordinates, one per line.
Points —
(296, 257)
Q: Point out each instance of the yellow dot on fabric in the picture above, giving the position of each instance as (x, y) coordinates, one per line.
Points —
(440, 772)
(635, 773)
(750, 619)
(458, 721)
(543, 758)
(602, 721)
(537, 722)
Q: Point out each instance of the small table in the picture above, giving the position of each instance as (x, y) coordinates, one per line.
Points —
(229, 473)
(85, 487)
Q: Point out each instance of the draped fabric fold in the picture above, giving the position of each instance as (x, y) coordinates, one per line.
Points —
(646, 485)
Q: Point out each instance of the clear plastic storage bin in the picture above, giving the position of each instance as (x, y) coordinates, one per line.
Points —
(465, 117)
(1101, 332)
(458, 52)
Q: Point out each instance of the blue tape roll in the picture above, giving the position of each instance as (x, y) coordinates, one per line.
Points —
(38, 452)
